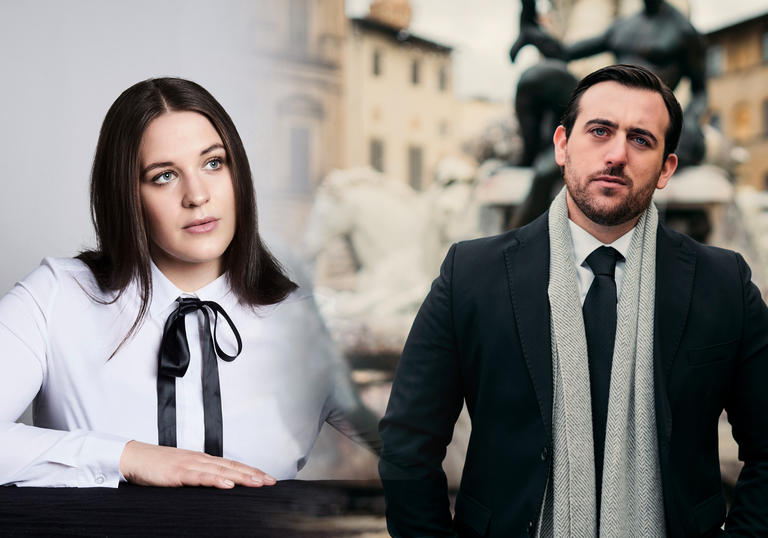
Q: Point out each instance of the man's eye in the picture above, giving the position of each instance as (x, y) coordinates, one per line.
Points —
(639, 140)
(165, 177)
(599, 131)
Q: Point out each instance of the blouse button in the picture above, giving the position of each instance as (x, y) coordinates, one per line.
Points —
(100, 479)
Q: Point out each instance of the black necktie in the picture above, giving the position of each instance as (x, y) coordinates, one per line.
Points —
(173, 362)
(600, 325)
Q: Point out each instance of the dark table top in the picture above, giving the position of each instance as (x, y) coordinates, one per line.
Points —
(291, 508)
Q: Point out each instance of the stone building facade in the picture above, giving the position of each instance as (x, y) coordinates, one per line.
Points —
(399, 104)
(737, 85)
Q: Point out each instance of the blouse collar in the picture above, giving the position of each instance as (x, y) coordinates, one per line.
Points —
(165, 293)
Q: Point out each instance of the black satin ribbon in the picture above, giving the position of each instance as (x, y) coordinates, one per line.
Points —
(173, 362)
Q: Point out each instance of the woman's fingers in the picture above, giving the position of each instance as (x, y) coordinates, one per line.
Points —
(153, 465)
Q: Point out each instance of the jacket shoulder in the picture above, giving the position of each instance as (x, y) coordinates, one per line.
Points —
(479, 250)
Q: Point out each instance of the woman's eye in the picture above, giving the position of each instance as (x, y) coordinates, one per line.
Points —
(165, 177)
(214, 164)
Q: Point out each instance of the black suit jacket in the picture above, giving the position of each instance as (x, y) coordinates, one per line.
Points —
(483, 336)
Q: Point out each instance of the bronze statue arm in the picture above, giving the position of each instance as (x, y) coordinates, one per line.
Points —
(551, 47)
(586, 47)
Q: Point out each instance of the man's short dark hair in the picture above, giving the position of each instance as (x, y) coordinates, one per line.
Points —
(632, 76)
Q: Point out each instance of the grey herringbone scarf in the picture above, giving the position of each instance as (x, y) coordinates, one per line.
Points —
(631, 503)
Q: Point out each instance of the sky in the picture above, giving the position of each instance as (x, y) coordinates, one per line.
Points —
(482, 31)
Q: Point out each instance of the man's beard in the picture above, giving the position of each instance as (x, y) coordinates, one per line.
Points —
(629, 207)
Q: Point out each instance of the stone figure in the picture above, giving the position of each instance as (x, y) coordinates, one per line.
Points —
(542, 94)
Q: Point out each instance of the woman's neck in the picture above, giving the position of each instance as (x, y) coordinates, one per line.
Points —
(187, 276)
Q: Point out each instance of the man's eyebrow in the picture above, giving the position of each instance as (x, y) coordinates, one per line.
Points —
(163, 164)
(601, 121)
(644, 132)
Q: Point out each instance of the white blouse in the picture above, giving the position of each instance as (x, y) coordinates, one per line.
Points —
(56, 338)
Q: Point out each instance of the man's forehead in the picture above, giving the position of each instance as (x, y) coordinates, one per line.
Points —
(626, 106)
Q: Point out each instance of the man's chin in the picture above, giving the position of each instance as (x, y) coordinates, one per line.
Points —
(610, 214)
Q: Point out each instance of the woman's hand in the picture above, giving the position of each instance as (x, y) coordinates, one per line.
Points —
(151, 465)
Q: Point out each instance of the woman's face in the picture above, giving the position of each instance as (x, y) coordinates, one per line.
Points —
(187, 193)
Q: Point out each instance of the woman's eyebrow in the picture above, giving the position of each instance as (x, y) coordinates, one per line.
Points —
(155, 165)
(211, 148)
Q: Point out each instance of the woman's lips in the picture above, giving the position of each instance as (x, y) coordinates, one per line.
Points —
(201, 226)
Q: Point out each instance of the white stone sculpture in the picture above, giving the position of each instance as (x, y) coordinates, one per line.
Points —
(397, 238)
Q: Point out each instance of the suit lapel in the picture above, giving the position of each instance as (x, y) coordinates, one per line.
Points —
(527, 261)
(675, 269)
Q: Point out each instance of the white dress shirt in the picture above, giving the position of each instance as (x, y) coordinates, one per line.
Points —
(55, 342)
(584, 244)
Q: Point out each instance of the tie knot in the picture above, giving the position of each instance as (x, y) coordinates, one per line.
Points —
(603, 260)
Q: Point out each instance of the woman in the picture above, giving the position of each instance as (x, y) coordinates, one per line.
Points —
(120, 347)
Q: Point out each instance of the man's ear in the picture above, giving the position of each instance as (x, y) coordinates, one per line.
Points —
(667, 169)
(560, 140)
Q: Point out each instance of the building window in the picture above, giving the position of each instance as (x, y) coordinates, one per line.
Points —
(765, 47)
(442, 79)
(376, 63)
(415, 167)
(377, 154)
(300, 181)
(298, 25)
(415, 72)
(715, 60)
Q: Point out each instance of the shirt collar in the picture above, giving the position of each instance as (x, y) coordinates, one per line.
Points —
(584, 243)
(165, 293)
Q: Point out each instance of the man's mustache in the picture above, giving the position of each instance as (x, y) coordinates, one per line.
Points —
(615, 171)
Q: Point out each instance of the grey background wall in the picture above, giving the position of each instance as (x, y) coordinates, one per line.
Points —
(63, 62)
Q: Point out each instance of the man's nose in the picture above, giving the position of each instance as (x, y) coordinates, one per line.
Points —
(616, 152)
(196, 191)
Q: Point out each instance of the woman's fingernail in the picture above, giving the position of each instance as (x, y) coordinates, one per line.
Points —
(256, 480)
(269, 478)
(229, 483)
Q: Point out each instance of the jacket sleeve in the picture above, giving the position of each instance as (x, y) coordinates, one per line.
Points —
(747, 408)
(423, 407)
(31, 456)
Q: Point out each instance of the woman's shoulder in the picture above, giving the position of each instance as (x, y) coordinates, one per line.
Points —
(300, 301)
(54, 275)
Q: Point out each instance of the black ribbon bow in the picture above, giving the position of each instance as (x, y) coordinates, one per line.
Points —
(173, 362)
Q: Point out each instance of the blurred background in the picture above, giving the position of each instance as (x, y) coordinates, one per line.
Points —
(378, 132)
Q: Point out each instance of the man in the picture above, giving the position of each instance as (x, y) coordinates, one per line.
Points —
(594, 387)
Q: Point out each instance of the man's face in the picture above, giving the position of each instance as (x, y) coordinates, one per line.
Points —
(614, 158)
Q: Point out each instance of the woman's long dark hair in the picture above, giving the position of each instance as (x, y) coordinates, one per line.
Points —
(122, 254)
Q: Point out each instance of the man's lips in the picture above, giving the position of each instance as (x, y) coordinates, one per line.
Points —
(614, 180)
(203, 225)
